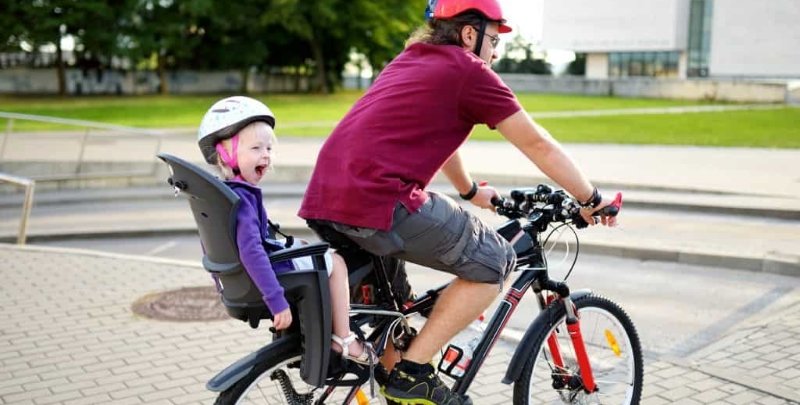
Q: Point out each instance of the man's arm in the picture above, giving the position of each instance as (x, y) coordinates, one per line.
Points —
(462, 181)
(546, 153)
(457, 174)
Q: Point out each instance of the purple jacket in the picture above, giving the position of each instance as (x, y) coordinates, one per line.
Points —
(253, 242)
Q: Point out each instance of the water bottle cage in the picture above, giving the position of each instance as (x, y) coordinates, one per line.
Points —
(451, 362)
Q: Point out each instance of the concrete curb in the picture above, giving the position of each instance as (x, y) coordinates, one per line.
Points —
(773, 265)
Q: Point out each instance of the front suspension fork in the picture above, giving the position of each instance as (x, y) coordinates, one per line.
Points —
(574, 330)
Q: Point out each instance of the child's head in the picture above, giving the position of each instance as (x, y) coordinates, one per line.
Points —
(236, 134)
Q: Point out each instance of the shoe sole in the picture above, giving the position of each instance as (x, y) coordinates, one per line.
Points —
(406, 401)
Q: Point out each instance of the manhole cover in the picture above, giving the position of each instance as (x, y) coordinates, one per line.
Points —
(185, 304)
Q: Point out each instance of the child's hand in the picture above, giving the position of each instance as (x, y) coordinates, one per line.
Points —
(282, 319)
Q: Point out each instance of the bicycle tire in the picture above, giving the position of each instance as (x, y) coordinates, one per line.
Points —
(618, 371)
(257, 387)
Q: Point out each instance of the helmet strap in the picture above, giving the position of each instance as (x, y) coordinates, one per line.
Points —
(230, 159)
(481, 34)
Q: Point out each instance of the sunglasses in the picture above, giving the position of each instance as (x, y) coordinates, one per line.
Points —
(493, 39)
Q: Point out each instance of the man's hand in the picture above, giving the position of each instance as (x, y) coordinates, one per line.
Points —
(589, 214)
(283, 319)
(483, 198)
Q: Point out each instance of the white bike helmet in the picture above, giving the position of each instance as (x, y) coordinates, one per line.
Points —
(226, 118)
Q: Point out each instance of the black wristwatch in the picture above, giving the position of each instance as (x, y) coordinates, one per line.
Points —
(471, 193)
(593, 201)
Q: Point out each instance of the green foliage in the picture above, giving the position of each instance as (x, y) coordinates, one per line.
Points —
(520, 57)
(301, 36)
(578, 66)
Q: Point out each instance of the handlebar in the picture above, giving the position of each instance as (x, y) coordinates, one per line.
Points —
(542, 205)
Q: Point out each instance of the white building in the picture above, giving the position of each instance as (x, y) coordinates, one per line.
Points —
(678, 38)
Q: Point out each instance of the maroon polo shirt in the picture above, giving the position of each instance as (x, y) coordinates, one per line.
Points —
(395, 139)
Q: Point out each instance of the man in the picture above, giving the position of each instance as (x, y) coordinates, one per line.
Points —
(370, 178)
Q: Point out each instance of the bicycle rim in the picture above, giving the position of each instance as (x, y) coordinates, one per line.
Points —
(282, 384)
(614, 353)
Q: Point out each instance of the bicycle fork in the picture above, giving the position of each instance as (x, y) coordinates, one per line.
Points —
(574, 331)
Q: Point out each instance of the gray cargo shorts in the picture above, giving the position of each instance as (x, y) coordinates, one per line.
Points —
(442, 236)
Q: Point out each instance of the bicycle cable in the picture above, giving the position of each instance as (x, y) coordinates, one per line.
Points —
(577, 247)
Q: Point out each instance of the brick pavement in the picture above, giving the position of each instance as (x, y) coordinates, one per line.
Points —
(68, 335)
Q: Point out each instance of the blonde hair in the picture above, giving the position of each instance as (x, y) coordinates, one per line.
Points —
(226, 171)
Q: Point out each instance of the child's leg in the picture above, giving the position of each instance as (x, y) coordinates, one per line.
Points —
(340, 303)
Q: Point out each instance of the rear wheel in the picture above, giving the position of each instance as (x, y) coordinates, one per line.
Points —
(277, 381)
(613, 349)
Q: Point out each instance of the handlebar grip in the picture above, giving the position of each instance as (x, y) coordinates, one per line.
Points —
(613, 209)
(497, 201)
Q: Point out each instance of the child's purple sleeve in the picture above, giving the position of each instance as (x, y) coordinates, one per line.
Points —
(255, 260)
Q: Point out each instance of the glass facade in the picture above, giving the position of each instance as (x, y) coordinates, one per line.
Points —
(647, 64)
(699, 38)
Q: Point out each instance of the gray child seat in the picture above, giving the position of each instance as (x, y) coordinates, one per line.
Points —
(214, 206)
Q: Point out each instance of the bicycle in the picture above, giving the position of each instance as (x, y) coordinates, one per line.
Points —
(604, 367)
(581, 348)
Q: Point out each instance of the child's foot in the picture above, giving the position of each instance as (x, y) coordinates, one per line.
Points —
(351, 348)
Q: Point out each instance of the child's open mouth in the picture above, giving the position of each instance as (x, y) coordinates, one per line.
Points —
(260, 170)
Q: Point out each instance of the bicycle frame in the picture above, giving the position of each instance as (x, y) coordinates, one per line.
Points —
(533, 273)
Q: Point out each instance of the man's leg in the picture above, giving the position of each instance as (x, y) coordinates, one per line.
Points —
(460, 303)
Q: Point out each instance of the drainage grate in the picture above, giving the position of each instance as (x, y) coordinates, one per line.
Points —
(185, 304)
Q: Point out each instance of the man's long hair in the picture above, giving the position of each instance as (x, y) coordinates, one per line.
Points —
(445, 32)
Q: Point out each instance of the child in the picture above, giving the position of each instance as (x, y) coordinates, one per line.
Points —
(236, 134)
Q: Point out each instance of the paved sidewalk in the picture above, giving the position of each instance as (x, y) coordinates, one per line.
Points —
(68, 336)
(735, 171)
(752, 182)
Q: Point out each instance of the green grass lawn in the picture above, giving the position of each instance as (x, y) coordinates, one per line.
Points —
(315, 115)
(778, 128)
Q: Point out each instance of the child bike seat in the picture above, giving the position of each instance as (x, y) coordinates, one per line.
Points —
(214, 207)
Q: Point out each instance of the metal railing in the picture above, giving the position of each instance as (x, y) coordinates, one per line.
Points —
(27, 204)
(91, 128)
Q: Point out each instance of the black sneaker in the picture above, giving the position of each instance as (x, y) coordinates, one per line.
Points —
(422, 387)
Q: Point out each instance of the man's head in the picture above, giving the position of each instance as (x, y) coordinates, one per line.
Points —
(473, 24)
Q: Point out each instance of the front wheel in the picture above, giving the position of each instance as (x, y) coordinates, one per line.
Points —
(613, 349)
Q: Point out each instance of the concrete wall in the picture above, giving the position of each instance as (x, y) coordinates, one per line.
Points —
(25, 81)
(712, 90)
(793, 92)
(755, 38)
(544, 84)
(45, 81)
(716, 90)
(597, 66)
(615, 25)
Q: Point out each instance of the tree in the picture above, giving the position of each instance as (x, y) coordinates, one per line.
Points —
(42, 23)
(334, 28)
(308, 37)
(520, 57)
(578, 66)
(32, 24)
(13, 29)
(164, 33)
(97, 31)
(380, 30)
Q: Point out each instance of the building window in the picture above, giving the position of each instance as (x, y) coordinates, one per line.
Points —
(699, 38)
(643, 64)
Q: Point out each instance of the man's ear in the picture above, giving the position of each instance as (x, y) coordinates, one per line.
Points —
(468, 36)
